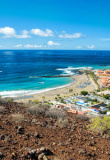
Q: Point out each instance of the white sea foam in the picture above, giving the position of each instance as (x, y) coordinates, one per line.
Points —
(1, 71)
(21, 93)
(33, 77)
(70, 70)
(41, 82)
(65, 71)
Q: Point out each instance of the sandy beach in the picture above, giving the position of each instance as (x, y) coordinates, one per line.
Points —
(63, 92)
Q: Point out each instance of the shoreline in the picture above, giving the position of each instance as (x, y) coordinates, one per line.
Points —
(27, 93)
(63, 91)
(50, 89)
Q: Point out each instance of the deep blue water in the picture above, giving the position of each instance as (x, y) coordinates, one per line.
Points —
(19, 69)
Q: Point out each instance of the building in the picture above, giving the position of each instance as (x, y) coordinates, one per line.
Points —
(100, 107)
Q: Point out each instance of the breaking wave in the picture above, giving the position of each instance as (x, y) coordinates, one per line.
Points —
(20, 93)
(72, 70)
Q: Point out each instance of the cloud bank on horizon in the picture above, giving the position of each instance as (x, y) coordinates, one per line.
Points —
(8, 32)
(79, 25)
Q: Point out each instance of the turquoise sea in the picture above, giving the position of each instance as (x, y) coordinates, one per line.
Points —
(21, 71)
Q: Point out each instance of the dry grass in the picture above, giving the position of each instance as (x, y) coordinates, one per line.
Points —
(55, 113)
(38, 109)
(17, 117)
(82, 117)
(6, 100)
(1, 109)
(62, 122)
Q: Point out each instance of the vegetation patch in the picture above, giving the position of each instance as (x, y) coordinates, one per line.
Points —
(62, 122)
(17, 117)
(84, 93)
(101, 125)
(106, 96)
(38, 109)
(55, 113)
(1, 109)
(82, 117)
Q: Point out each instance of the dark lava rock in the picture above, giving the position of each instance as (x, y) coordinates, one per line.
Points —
(14, 155)
(1, 155)
(20, 130)
(37, 135)
(2, 137)
(82, 151)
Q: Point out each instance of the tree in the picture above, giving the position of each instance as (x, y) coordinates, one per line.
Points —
(61, 100)
(92, 103)
(84, 93)
(108, 106)
(94, 100)
(106, 96)
(70, 90)
(55, 98)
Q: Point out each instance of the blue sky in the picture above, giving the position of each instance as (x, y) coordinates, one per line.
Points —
(58, 24)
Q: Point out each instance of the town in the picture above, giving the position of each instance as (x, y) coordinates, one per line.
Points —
(85, 103)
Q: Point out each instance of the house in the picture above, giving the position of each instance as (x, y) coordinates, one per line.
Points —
(99, 107)
(82, 100)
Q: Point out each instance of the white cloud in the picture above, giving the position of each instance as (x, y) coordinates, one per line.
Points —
(51, 43)
(18, 45)
(46, 33)
(78, 47)
(10, 32)
(74, 35)
(32, 46)
(24, 35)
(91, 47)
(105, 39)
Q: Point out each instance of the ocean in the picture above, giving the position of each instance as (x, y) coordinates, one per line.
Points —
(21, 71)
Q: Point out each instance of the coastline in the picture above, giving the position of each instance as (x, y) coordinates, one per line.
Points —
(63, 91)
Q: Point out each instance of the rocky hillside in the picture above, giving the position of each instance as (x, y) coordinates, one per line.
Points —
(24, 135)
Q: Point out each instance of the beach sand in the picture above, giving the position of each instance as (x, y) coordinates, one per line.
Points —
(63, 92)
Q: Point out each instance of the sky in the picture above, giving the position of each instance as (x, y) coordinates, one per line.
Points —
(55, 24)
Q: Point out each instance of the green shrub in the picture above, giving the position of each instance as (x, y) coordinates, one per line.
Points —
(84, 93)
(94, 100)
(103, 112)
(55, 98)
(101, 125)
(108, 106)
(61, 100)
(70, 90)
(35, 101)
(106, 96)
